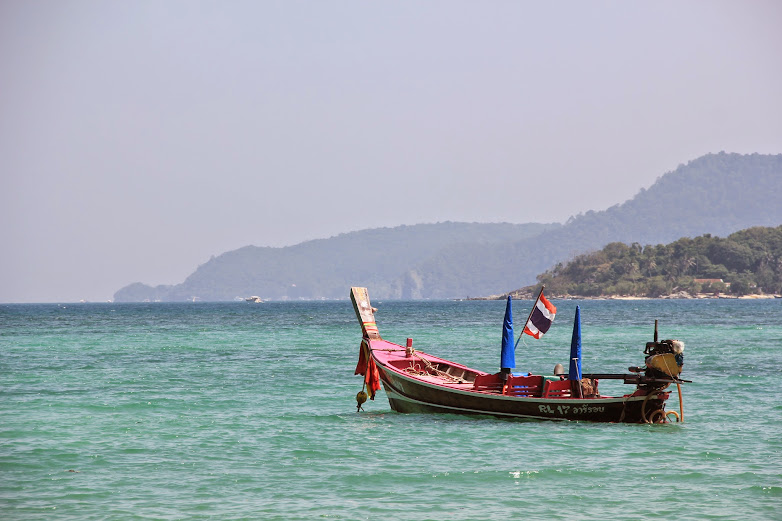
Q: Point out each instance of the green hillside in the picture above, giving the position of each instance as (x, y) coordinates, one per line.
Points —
(746, 262)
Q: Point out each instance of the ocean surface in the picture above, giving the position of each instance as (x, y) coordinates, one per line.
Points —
(247, 411)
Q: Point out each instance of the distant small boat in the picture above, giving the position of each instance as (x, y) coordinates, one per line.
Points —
(254, 299)
(417, 382)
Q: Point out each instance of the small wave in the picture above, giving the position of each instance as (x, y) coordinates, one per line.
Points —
(766, 490)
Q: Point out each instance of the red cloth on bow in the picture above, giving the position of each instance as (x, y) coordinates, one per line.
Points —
(366, 366)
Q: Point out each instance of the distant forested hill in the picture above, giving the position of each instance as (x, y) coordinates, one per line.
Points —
(326, 268)
(716, 194)
(746, 262)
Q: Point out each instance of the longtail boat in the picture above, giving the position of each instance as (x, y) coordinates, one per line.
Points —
(417, 382)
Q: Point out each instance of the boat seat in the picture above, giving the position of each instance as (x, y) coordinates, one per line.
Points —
(556, 389)
(489, 383)
(524, 386)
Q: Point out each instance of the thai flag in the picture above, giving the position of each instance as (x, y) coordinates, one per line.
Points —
(541, 317)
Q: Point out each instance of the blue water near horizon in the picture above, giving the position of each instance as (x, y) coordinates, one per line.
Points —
(247, 411)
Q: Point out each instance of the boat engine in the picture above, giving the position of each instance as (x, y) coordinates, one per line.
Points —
(664, 359)
(663, 365)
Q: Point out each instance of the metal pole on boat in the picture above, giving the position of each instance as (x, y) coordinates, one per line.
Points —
(529, 316)
(655, 330)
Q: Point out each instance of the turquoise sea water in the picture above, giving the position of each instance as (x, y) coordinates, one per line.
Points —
(247, 411)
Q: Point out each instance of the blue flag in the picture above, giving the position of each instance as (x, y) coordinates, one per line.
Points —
(507, 356)
(575, 348)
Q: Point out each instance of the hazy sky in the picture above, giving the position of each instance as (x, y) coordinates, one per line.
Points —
(139, 138)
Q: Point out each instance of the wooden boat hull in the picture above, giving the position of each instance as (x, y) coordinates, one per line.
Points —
(408, 394)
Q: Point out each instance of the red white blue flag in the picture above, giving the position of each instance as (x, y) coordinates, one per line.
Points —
(541, 318)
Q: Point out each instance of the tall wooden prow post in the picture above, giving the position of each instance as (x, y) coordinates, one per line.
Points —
(364, 312)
